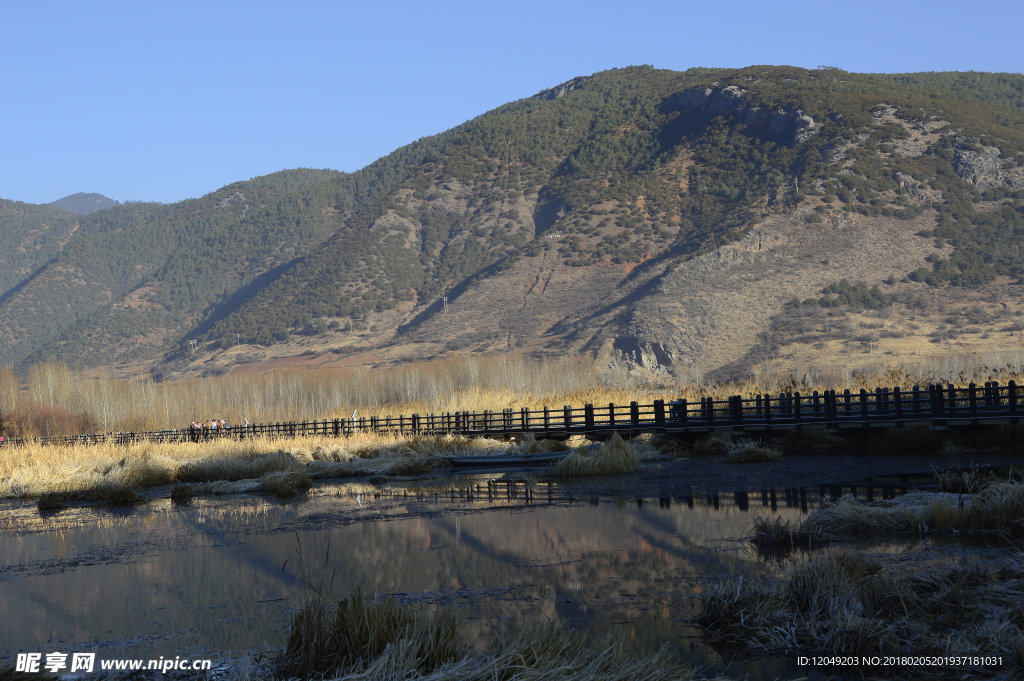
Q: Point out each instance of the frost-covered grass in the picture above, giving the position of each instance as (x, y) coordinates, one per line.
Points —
(849, 605)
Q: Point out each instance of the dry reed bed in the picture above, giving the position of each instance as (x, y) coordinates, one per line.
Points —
(113, 473)
(85, 471)
(362, 639)
(845, 604)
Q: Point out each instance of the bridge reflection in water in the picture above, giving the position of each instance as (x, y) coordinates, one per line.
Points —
(221, 576)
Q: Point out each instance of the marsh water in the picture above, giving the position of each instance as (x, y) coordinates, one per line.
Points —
(219, 577)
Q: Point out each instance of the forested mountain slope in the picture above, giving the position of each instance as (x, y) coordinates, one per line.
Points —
(665, 221)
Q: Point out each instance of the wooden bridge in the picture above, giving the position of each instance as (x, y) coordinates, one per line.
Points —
(937, 407)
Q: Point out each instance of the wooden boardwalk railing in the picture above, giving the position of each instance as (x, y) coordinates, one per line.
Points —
(935, 406)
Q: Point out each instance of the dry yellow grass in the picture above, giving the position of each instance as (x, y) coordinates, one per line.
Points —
(611, 458)
(219, 466)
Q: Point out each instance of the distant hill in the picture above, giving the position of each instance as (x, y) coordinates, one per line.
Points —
(83, 204)
(712, 222)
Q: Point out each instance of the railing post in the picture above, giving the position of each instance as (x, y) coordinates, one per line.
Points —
(634, 413)
(611, 413)
(524, 418)
(972, 397)
(659, 412)
(796, 406)
(588, 416)
(767, 407)
(567, 416)
(1011, 396)
(847, 405)
(547, 418)
(863, 404)
(815, 404)
(952, 398)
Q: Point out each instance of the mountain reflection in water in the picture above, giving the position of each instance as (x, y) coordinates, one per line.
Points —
(220, 577)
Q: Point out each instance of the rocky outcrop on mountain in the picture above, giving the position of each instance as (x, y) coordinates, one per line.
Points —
(917, 190)
(563, 89)
(985, 168)
(793, 125)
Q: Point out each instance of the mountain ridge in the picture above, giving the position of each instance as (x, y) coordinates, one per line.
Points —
(570, 221)
(83, 203)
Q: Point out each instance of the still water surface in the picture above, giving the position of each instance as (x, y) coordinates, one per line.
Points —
(219, 578)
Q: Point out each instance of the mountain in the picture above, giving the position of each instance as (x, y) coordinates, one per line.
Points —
(712, 222)
(83, 204)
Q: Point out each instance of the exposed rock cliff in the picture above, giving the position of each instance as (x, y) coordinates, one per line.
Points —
(986, 169)
(792, 125)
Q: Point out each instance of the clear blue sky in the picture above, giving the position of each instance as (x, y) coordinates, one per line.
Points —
(169, 100)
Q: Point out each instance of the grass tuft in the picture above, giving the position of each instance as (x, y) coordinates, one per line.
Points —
(285, 484)
(50, 503)
(182, 494)
(750, 451)
(613, 457)
(974, 479)
(358, 630)
(117, 495)
(776, 539)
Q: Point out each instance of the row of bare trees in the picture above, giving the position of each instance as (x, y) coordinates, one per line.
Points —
(51, 399)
